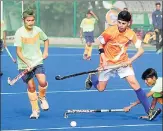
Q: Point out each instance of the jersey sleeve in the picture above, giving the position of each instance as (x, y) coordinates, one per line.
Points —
(17, 38)
(136, 41)
(94, 20)
(105, 36)
(158, 86)
(82, 23)
(4, 26)
(43, 36)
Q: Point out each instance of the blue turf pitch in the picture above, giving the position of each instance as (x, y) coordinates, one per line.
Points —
(71, 94)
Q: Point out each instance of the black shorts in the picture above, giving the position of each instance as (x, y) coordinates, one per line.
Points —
(37, 70)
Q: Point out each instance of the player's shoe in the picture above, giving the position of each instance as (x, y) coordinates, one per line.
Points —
(159, 51)
(88, 82)
(43, 103)
(153, 113)
(84, 56)
(88, 58)
(35, 114)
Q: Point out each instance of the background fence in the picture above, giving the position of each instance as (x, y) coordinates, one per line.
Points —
(61, 18)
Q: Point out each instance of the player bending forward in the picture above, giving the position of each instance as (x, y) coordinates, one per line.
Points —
(113, 45)
(152, 80)
(27, 42)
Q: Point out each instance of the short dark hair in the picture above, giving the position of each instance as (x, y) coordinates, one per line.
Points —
(28, 12)
(89, 12)
(124, 16)
(158, 3)
(125, 8)
(149, 73)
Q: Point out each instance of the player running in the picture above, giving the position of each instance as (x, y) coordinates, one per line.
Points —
(3, 39)
(113, 45)
(87, 27)
(27, 42)
(152, 80)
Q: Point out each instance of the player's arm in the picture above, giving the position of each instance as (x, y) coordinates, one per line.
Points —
(138, 46)
(46, 46)
(81, 32)
(101, 41)
(81, 28)
(128, 108)
(4, 38)
(139, 52)
(44, 38)
(94, 15)
(102, 54)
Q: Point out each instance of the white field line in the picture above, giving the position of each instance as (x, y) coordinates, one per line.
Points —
(72, 91)
(86, 127)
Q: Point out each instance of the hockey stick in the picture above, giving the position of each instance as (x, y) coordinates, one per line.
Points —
(19, 76)
(91, 111)
(10, 55)
(87, 72)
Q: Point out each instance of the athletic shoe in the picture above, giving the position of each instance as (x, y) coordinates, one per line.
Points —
(159, 51)
(35, 114)
(85, 56)
(88, 58)
(153, 113)
(88, 82)
(43, 103)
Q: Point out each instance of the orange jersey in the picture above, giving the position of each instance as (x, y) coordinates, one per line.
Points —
(115, 44)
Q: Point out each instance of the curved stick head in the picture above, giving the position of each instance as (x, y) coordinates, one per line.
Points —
(58, 77)
(9, 81)
(65, 115)
(14, 61)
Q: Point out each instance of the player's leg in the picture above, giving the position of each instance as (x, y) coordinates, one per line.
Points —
(160, 45)
(43, 84)
(32, 95)
(1, 46)
(0, 54)
(85, 54)
(91, 41)
(128, 74)
(98, 81)
(89, 51)
(157, 97)
(160, 100)
(154, 102)
(157, 40)
(152, 113)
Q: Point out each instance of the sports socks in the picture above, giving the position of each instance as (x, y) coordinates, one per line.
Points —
(42, 90)
(143, 99)
(94, 80)
(86, 49)
(33, 98)
(89, 51)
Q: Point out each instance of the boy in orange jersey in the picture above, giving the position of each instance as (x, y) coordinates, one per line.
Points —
(113, 45)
